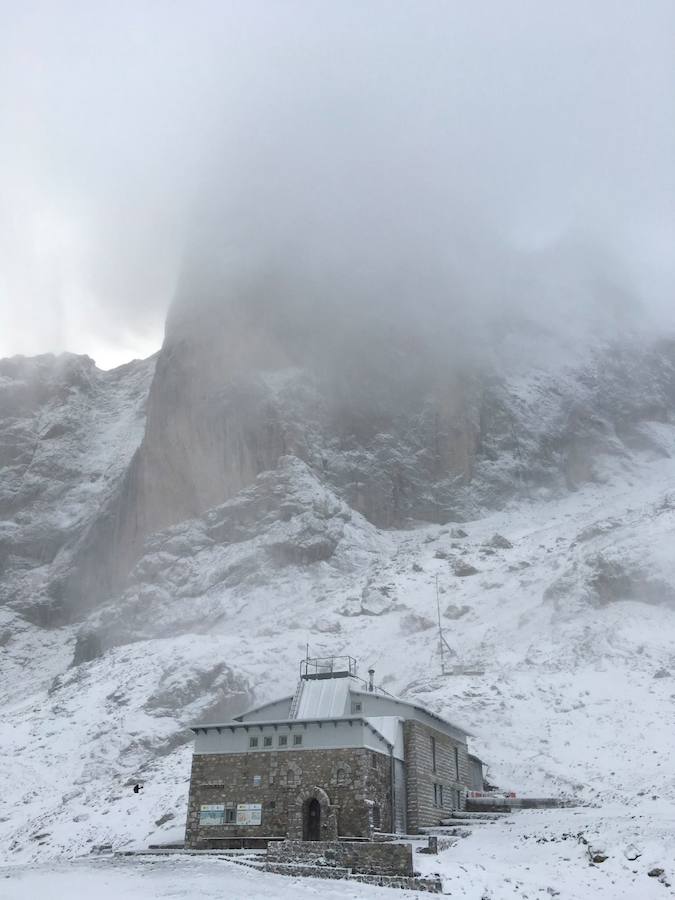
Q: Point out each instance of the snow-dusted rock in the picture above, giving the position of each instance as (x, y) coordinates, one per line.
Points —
(262, 494)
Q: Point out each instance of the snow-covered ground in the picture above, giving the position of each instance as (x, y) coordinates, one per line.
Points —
(178, 879)
(533, 854)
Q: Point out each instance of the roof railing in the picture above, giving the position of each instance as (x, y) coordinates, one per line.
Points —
(328, 667)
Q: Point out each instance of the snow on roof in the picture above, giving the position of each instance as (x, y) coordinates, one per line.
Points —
(253, 709)
(417, 706)
(329, 698)
(323, 697)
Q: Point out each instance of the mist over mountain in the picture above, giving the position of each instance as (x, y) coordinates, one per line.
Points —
(415, 147)
(410, 268)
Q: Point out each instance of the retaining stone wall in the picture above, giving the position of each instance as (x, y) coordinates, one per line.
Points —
(358, 857)
(431, 885)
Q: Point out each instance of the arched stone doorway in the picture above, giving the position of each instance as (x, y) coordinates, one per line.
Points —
(311, 820)
(312, 817)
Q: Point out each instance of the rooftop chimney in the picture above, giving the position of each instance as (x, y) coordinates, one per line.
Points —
(371, 685)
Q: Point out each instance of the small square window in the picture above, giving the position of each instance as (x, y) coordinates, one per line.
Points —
(230, 813)
(356, 707)
(273, 804)
(253, 742)
(257, 780)
(267, 741)
(283, 740)
(297, 739)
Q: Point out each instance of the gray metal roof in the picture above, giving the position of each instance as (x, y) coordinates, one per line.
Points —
(253, 709)
(417, 706)
(325, 700)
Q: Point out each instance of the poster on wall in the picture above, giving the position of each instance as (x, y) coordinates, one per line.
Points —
(249, 813)
(212, 814)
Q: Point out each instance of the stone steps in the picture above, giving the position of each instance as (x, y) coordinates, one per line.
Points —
(446, 831)
(465, 823)
(479, 816)
(506, 805)
(306, 869)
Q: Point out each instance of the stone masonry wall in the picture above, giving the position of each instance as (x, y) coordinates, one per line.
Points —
(347, 782)
(421, 777)
(378, 792)
(363, 858)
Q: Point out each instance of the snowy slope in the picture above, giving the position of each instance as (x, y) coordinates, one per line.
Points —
(569, 613)
(576, 696)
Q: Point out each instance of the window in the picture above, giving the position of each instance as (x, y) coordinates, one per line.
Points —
(377, 822)
(356, 707)
(438, 795)
(433, 754)
(341, 776)
(283, 740)
(271, 779)
(373, 760)
(257, 780)
(290, 777)
(273, 804)
(267, 742)
(230, 813)
(252, 742)
(457, 763)
(297, 740)
(459, 800)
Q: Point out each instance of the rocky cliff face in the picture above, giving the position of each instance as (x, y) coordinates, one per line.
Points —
(174, 532)
(68, 434)
(398, 423)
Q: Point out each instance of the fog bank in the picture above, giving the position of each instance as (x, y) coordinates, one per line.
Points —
(461, 162)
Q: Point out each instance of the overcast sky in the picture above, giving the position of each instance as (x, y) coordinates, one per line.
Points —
(350, 124)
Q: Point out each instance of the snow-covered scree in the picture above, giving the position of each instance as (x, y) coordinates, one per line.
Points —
(563, 601)
(576, 696)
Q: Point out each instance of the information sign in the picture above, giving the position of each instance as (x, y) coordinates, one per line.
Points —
(249, 813)
(212, 814)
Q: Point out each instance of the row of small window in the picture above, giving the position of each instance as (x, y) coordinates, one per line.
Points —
(438, 797)
(282, 741)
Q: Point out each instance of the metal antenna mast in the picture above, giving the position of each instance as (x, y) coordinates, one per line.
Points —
(441, 639)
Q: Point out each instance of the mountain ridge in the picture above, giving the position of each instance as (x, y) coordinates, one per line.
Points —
(571, 463)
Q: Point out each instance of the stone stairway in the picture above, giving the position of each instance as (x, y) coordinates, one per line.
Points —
(461, 824)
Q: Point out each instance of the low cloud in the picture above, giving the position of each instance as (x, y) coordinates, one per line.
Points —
(507, 155)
